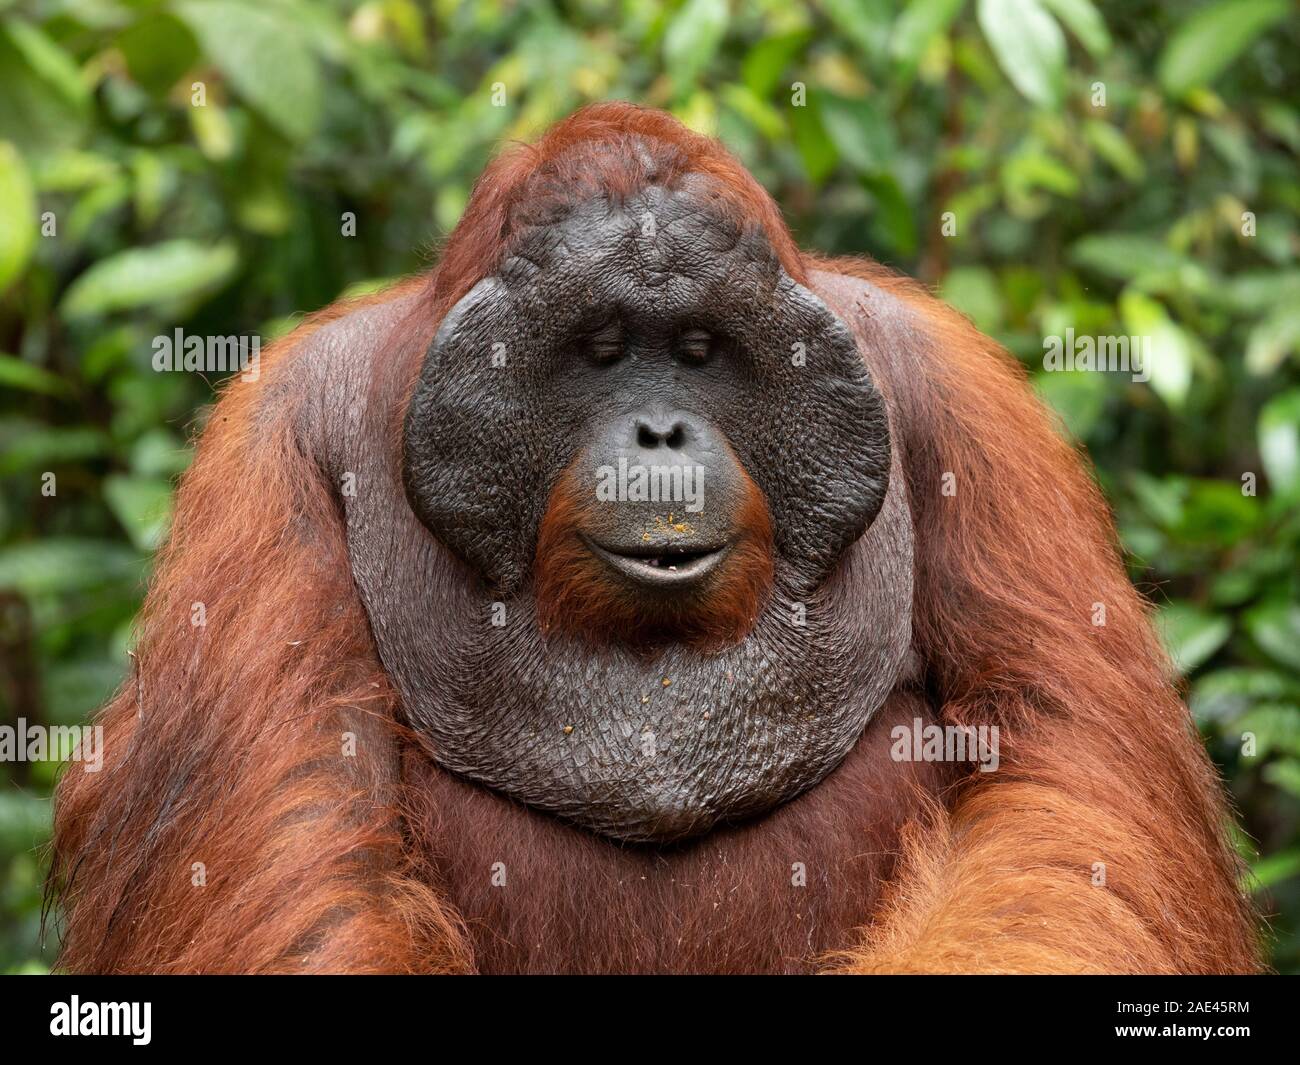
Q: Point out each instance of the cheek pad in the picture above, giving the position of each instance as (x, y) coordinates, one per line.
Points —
(473, 434)
(502, 392)
(809, 426)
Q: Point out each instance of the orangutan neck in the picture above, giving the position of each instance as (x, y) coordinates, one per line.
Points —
(767, 896)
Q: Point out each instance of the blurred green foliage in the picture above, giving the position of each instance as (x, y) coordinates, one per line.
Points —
(1125, 168)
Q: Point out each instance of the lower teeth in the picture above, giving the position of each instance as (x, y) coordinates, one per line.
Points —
(660, 563)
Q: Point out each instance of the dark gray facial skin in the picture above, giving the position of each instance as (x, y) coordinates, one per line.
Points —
(641, 746)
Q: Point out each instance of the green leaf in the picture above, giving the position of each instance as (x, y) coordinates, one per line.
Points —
(1191, 635)
(1273, 869)
(1033, 169)
(1125, 256)
(1226, 694)
(1110, 144)
(892, 222)
(1284, 774)
(859, 131)
(1029, 47)
(43, 101)
(95, 204)
(18, 219)
(66, 564)
(18, 374)
(1168, 349)
(1281, 123)
(1258, 291)
(74, 688)
(1276, 727)
(920, 22)
(143, 506)
(1279, 442)
(757, 112)
(159, 453)
(159, 48)
(1217, 514)
(25, 821)
(1211, 38)
(1079, 399)
(864, 22)
(32, 446)
(1276, 628)
(691, 40)
(1273, 339)
(261, 54)
(767, 61)
(973, 290)
(1161, 499)
(71, 170)
(816, 150)
(161, 273)
(1085, 22)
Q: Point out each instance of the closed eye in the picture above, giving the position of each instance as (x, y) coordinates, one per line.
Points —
(606, 343)
(695, 345)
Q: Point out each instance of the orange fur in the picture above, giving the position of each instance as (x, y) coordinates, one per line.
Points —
(226, 830)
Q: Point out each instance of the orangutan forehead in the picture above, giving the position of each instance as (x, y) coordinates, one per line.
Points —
(648, 239)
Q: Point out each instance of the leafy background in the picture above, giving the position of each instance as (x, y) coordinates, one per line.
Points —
(225, 218)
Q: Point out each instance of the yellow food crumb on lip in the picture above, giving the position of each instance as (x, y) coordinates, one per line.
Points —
(670, 525)
(568, 730)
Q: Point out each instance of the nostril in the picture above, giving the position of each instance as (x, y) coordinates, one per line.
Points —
(650, 435)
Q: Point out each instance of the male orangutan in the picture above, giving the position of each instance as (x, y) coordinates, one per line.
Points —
(468, 696)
